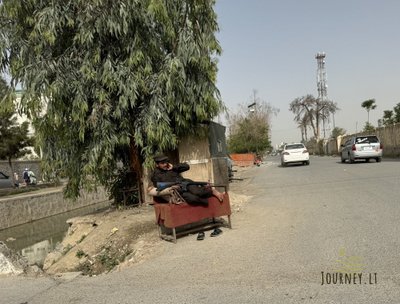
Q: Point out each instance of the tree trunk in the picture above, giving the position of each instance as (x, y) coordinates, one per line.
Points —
(314, 129)
(317, 126)
(137, 168)
(12, 172)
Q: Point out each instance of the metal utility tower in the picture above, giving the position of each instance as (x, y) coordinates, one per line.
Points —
(322, 83)
(321, 76)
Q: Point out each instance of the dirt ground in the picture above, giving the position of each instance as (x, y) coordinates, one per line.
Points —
(113, 239)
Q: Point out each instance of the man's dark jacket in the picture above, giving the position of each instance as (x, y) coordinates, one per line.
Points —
(173, 175)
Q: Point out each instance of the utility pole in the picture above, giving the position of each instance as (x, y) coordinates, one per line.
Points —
(253, 106)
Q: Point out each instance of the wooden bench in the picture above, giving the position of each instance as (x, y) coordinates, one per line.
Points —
(128, 191)
(170, 215)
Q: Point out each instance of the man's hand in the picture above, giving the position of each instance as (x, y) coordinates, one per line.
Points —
(169, 166)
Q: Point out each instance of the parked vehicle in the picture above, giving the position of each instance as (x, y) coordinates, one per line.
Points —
(295, 153)
(5, 181)
(361, 147)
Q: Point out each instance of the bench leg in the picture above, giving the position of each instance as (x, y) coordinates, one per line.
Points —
(229, 222)
(167, 237)
(174, 235)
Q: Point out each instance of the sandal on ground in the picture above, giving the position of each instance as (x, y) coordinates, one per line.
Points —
(200, 236)
(216, 232)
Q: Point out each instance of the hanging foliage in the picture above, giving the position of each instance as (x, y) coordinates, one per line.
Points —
(100, 77)
(249, 128)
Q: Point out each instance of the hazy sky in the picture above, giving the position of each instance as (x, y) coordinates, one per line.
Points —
(270, 46)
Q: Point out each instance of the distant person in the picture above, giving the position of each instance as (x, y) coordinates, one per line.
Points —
(32, 177)
(25, 176)
(29, 177)
(16, 179)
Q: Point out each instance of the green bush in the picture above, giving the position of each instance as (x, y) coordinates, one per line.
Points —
(124, 181)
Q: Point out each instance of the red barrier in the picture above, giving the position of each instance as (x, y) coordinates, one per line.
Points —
(243, 159)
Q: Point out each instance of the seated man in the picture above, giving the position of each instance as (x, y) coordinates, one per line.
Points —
(192, 192)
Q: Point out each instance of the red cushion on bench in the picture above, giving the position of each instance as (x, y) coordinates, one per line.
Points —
(173, 215)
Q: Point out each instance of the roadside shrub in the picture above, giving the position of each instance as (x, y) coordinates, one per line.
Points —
(124, 181)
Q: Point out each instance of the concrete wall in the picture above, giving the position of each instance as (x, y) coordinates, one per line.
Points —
(203, 167)
(331, 146)
(33, 206)
(196, 152)
(19, 166)
(220, 173)
(390, 138)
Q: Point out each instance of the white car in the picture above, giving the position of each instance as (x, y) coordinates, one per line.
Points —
(295, 153)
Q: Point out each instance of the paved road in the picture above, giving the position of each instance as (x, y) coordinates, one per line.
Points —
(303, 220)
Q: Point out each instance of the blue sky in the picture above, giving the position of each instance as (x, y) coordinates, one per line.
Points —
(270, 46)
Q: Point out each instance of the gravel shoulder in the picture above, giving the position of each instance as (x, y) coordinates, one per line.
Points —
(117, 239)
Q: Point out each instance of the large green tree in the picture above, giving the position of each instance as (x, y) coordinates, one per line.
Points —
(252, 135)
(107, 81)
(249, 128)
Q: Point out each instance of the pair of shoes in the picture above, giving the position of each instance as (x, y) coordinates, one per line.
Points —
(216, 232)
(200, 236)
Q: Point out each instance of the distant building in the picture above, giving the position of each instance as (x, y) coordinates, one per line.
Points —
(31, 130)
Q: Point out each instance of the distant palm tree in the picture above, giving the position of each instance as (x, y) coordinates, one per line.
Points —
(303, 123)
(369, 105)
